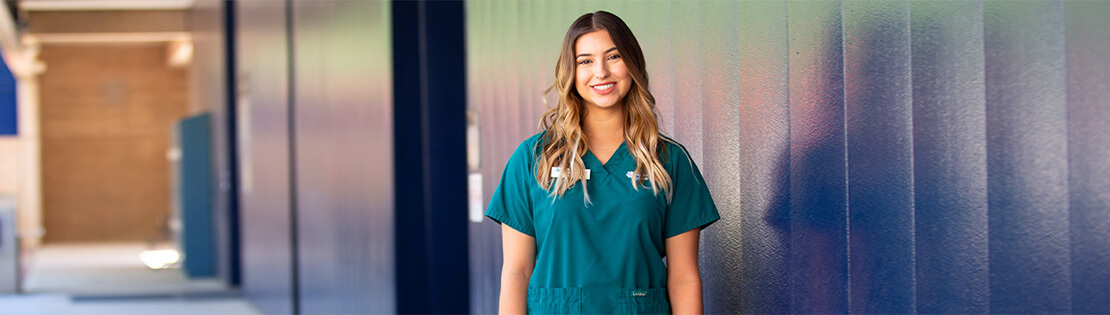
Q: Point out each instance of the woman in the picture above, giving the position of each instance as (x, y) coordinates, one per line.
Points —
(591, 205)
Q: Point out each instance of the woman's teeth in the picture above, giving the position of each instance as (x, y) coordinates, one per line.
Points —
(604, 87)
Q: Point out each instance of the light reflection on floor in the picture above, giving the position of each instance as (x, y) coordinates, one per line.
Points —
(111, 279)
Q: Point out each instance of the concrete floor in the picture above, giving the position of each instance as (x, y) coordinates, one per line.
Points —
(110, 279)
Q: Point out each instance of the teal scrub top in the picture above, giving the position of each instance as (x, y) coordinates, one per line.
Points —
(606, 257)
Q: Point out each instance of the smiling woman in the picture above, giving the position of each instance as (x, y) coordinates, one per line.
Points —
(600, 68)
(568, 250)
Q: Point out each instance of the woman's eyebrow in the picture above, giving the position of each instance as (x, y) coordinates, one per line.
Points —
(587, 55)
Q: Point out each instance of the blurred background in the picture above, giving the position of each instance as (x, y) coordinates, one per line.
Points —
(335, 156)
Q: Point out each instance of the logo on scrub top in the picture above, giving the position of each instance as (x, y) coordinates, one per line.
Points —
(639, 178)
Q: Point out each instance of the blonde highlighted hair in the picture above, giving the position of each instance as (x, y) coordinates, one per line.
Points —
(564, 143)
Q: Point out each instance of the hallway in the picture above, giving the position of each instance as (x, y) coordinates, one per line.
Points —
(110, 278)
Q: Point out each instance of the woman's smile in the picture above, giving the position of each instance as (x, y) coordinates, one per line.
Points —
(604, 88)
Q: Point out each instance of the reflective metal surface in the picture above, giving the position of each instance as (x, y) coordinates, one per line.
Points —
(1088, 84)
(950, 169)
(1027, 169)
(721, 161)
(764, 173)
(343, 156)
(818, 179)
(879, 119)
(263, 90)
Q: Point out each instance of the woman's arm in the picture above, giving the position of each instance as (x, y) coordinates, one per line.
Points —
(520, 258)
(683, 276)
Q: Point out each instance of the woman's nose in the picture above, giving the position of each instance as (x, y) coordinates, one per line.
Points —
(602, 71)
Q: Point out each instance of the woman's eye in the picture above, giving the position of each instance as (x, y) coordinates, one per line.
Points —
(584, 61)
(614, 57)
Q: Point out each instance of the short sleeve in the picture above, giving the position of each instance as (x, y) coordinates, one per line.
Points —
(511, 203)
(692, 206)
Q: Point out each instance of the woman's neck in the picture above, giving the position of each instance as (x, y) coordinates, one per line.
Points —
(604, 124)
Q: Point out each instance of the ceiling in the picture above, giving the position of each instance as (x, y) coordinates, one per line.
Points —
(92, 5)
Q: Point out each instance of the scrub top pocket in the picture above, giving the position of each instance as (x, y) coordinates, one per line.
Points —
(554, 301)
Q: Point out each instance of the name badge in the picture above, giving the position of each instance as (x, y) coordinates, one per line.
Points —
(557, 172)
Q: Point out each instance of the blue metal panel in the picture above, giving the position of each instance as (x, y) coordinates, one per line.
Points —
(344, 158)
(263, 106)
(880, 156)
(1030, 263)
(818, 188)
(1088, 81)
(764, 150)
(950, 168)
(197, 232)
(720, 84)
(9, 120)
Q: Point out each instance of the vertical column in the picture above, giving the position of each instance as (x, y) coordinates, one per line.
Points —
(1027, 150)
(230, 234)
(1088, 89)
(344, 158)
(950, 168)
(29, 185)
(444, 154)
(880, 156)
(764, 209)
(266, 203)
(818, 188)
(409, 105)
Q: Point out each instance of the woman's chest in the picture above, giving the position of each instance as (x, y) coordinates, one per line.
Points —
(615, 204)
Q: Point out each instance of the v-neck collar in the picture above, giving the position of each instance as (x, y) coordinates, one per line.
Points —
(613, 161)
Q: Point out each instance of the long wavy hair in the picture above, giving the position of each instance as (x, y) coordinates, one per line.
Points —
(565, 144)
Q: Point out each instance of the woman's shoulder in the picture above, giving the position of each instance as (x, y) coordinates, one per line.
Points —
(530, 146)
(534, 139)
(672, 148)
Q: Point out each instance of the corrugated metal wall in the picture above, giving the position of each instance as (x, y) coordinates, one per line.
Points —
(1027, 156)
(343, 156)
(871, 157)
(950, 173)
(1088, 110)
(314, 91)
(263, 111)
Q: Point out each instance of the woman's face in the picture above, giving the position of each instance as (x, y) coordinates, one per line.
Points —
(601, 77)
